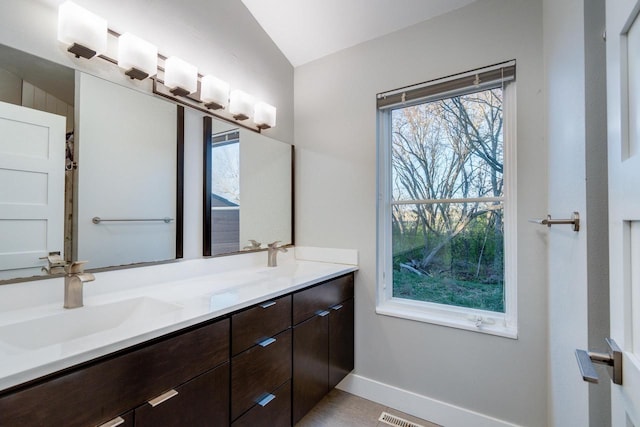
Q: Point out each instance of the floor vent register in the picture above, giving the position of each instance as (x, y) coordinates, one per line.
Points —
(392, 420)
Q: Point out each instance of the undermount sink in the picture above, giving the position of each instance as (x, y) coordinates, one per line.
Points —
(81, 322)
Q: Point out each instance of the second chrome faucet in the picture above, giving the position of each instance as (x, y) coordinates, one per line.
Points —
(272, 253)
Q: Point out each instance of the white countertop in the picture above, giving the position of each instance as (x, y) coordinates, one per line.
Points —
(163, 306)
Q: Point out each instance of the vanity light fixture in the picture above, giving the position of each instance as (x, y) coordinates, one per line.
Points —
(85, 32)
(180, 76)
(264, 115)
(240, 104)
(214, 92)
(137, 56)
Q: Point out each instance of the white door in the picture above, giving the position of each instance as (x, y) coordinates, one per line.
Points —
(32, 155)
(623, 109)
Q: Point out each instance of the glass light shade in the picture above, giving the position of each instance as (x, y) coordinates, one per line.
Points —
(76, 25)
(240, 104)
(136, 53)
(264, 115)
(214, 91)
(179, 74)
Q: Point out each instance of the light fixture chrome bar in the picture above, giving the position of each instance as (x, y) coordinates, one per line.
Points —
(98, 220)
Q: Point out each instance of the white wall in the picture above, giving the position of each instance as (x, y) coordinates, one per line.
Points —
(220, 37)
(133, 141)
(335, 135)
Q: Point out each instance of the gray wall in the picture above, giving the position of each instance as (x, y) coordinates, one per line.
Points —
(335, 134)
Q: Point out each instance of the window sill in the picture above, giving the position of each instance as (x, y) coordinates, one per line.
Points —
(453, 317)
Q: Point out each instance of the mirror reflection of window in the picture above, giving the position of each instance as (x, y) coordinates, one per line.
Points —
(225, 192)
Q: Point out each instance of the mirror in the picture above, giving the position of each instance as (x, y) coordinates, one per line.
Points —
(248, 188)
(87, 166)
(92, 106)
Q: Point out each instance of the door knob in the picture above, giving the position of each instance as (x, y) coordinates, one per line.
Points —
(586, 359)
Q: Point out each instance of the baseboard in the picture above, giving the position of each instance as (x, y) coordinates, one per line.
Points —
(417, 405)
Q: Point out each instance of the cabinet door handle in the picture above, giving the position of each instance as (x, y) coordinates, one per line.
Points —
(266, 342)
(265, 400)
(113, 423)
(268, 304)
(337, 307)
(163, 398)
(323, 313)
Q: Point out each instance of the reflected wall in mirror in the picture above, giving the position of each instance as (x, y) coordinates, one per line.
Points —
(127, 168)
(124, 145)
(248, 189)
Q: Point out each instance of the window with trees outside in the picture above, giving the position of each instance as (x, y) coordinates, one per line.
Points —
(446, 231)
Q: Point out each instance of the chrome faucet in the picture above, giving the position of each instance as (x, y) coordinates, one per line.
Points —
(55, 263)
(272, 253)
(74, 281)
(254, 245)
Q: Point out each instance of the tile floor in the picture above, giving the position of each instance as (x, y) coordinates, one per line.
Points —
(341, 409)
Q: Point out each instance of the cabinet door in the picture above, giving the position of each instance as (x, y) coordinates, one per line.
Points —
(308, 302)
(340, 342)
(257, 323)
(275, 411)
(310, 364)
(203, 401)
(91, 395)
(259, 371)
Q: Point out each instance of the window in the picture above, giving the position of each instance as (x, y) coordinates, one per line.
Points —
(446, 229)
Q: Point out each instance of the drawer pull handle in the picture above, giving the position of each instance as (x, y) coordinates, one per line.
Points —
(268, 304)
(336, 307)
(265, 400)
(163, 398)
(266, 342)
(113, 423)
(323, 313)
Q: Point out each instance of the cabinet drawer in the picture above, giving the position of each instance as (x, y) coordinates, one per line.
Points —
(96, 393)
(258, 371)
(276, 413)
(203, 401)
(308, 302)
(262, 321)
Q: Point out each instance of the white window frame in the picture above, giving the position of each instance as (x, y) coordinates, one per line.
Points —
(483, 321)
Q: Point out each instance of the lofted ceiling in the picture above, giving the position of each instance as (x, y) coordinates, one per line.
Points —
(306, 30)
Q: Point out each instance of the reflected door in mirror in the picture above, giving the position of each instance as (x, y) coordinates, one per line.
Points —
(32, 153)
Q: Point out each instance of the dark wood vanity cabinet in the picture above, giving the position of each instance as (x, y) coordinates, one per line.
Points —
(99, 391)
(266, 365)
(322, 341)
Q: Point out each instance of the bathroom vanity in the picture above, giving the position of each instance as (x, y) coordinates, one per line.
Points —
(263, 351)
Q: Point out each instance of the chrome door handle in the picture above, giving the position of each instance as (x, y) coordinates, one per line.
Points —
(586, 359)
(267, 341)
(266, 399)
(163, 398)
